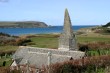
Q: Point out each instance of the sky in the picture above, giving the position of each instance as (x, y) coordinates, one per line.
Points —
(82, 12)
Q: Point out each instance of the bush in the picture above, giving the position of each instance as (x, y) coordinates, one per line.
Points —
(7, 70)
(22, 41)
(94, 46)
(83, 47)
(85, 65)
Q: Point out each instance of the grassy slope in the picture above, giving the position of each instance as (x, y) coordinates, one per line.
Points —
(7, 24)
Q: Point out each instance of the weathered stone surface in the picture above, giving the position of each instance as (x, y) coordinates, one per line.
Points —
(39, 56)
(67, 39)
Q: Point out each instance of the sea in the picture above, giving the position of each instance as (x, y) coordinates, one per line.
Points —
(47, 30)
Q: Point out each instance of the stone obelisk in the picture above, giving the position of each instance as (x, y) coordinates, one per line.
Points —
(67, 39)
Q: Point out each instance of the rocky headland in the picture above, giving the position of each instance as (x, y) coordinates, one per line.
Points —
(22, 24)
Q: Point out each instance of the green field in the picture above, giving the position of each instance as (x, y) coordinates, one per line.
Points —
(45, 41)
(51, 40)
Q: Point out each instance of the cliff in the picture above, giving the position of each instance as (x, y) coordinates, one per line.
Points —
(22, 24)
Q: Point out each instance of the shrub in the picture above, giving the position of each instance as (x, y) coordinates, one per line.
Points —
(7, 70)
(84, 65)
(94, 46)
(22, 41)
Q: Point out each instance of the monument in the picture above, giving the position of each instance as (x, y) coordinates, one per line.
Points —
(37, 57)
(67, 39)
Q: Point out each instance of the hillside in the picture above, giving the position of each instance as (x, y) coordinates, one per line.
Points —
(107, 25)
(22, 24)
(98, 30)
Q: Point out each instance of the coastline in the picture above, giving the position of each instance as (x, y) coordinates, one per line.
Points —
(47, 30)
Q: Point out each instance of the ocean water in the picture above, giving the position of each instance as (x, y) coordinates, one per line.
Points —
(23, 31)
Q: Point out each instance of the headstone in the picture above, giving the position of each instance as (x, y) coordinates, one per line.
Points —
(67, 39)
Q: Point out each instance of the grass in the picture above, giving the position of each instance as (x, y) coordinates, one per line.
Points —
(51, 40)
(8, 48)
(8, 61)
(86, 39)
(45, 41)
(98, 52)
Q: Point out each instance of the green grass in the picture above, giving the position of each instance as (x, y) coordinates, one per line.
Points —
(7, 60)
(45, 42)
(86, 39)
(92, 70)
(98, 52)
(8, 48)
(51, 41)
